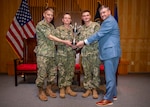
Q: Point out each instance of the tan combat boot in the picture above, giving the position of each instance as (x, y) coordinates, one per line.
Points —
(86, 94)
(70, 92)
(49, 92)
(62, 93)
(95, 95)
(42, 96)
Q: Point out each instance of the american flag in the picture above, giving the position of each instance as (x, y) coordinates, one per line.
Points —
(21, 27)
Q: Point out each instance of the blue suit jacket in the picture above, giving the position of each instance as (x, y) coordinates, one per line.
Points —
(108, 38)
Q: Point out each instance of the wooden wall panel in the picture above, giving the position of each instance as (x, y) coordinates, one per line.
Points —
(134, 25)
(62, 6)
(37, 7)
(8, 9)
(133, 18)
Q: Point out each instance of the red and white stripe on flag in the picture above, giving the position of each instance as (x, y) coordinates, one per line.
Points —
(21, 27)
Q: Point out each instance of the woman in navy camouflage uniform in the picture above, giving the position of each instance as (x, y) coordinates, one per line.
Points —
(65, 57)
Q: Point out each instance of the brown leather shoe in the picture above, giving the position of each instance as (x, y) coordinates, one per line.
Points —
(104, 103)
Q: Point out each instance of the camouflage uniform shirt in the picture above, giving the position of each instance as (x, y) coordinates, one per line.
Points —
(85, 32)
(45, 46)
(64, 34)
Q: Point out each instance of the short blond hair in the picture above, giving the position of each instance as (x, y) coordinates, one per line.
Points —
(50, 9)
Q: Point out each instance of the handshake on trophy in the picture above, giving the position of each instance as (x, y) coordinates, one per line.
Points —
(76, 32)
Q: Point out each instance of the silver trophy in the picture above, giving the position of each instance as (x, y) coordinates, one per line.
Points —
(75, 32)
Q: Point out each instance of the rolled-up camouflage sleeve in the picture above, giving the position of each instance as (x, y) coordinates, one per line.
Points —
(46, 31)
(58, 35)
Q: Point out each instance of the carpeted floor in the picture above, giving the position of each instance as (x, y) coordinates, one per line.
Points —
(133, 91)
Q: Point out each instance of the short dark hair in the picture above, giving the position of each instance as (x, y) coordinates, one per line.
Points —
(103, 6)
(67, 13)
(85, 11)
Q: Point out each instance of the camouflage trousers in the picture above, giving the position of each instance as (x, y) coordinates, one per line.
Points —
(91, 70)
(47, 69)
(66, 70)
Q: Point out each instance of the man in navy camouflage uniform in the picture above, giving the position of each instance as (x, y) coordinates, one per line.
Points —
(90, 60)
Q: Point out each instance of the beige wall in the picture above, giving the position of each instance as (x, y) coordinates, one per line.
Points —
(133, 22)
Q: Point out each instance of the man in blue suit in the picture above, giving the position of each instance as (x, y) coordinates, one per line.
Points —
(108, 38)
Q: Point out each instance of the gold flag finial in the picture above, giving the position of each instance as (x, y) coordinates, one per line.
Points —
(99, 1)
(46, 4)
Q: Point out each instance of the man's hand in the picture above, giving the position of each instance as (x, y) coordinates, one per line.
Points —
(68, 43)
(74, 47)
(80, 44)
